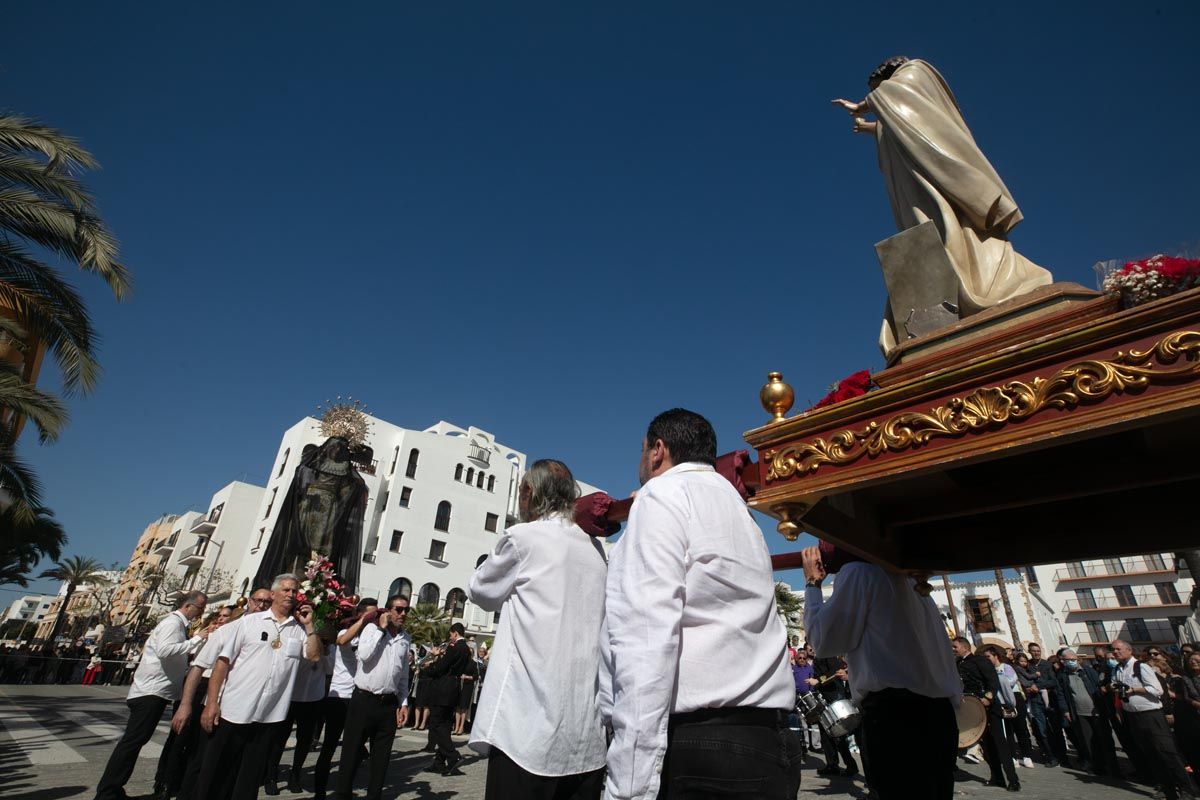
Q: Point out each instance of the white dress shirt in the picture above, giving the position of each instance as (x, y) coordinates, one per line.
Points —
(383, 662)
(1127, 673)
(259, 686)
(890, 636)
(538, 704)
(207, 657)
(345, 664)
(165, 659)
(691, 619)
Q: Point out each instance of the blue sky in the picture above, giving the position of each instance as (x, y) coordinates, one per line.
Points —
(551, 221)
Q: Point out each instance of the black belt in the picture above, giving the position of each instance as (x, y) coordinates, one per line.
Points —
(388, 696)
(733, 715)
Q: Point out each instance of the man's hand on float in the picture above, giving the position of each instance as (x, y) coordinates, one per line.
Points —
(304, 615)
(814, 570)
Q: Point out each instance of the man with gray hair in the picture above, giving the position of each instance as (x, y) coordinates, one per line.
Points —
(156, 684)
(250, 691)
(546, 576)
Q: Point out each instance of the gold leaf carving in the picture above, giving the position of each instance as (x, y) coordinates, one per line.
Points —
(996, 406)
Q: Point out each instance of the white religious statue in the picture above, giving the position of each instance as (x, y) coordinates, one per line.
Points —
(935, 172)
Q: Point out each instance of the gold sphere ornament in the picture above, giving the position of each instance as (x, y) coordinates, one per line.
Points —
(776, 397)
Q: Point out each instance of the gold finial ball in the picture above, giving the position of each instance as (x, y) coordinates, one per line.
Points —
(789, 529)
(241, 602)
(776, 398)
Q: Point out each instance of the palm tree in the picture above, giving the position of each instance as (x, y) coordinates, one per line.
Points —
(427, 624)
(789, 606)
(24, 543)
(1008, 612)
(74, 571)
(44, 208)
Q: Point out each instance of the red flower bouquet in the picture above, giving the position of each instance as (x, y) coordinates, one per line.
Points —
(857, 384)
(1151, 278)
(322, 589)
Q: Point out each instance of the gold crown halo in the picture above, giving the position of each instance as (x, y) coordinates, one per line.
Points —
(347, 419)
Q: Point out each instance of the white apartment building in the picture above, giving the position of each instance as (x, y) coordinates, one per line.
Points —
(1142, 599)
(206, 549)
(30, 608)
(437, 500)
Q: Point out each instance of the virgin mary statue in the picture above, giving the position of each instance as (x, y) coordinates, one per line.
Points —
(935, 172)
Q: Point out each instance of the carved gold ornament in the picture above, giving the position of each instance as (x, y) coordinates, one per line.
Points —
(346, 419)
(996, 405)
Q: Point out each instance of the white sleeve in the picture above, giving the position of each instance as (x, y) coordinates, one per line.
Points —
(496, 578)
(233, 645)
(645, 596)
(209, 653)
(835, 627)
(170, 639)
(369, 639)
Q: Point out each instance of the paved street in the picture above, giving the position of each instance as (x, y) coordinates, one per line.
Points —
(54, 741)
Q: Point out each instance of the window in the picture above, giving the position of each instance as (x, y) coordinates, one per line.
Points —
(1176, 624)
(261, 533)
(456, 603)
(479, 562)
(413, 455)
(1167, 593)
(979, 612)
(1085, 598)
(458, 472)
(1156, 561)
(283, 463)
(1075, 569)
(496, 618)
(490, 522)
(442, 521)
(1137, 630)
(395, 458)
(405, 496)
(491, 483)
(1124, 595)
(271, 504)
(479, 481)
(437, 550)
(430, 594)
(397, 537)
(1096, 632)
(470, 475)
(401, 586)
(1114, 566)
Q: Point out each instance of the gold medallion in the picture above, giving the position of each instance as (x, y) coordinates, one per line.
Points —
(275, 645)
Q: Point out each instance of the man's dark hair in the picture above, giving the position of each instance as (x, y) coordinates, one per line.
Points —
(1034, 644)
(885, 70)
(963, 640)
(394, 598)
(689, 436)
(365, 603)
(459, 629)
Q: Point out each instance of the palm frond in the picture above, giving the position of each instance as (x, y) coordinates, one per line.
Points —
(21, 133)
(52, 311)
(21, 485)
(23, 545)
(19, 169)
(76, 569)
(42, 409)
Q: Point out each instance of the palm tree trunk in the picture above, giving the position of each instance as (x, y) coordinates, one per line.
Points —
(61, 619)
(1008, 613)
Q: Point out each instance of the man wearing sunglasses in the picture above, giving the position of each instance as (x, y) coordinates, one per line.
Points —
(379, 703)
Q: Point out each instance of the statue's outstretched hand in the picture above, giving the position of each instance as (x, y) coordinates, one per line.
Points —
(852, 108)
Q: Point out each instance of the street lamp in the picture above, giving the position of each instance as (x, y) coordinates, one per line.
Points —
(213, 569)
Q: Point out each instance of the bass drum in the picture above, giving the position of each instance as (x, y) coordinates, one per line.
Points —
(972, 721)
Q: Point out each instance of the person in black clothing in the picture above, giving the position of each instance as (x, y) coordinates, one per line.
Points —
(444, 676)
(980, 680)
(1087, 712)
(1048, 734)
(833, 686)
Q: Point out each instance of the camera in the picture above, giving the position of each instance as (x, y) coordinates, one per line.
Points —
(1121, 690)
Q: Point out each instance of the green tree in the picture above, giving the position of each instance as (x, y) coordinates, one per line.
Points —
(74, 571)
(789, 605)
(427, 624)
(24, 542)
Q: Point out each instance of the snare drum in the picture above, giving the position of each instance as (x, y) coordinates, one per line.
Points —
(840, 718)
(810, 707)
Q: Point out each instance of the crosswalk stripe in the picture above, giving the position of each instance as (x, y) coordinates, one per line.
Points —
(106, 731)
(39, 745)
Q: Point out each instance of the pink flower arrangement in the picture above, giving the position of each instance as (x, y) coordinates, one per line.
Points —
(1151, 278)
(322, 589)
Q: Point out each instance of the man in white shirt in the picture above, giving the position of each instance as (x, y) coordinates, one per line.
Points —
(546, 576)
(379, 703)
(250, 691)
(156, 683)
(902, 671)
(1141, 695)
(690, 583)
(341, 688)
(195, 692)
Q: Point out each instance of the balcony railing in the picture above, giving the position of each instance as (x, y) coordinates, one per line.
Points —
(194, 554)
(367, 469)
(166, 546)
(1155, 634)
(1112, 602)
(1129, 566)
(480, 454)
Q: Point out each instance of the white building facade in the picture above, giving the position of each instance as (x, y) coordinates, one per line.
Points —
(437, 500)
(30, 608)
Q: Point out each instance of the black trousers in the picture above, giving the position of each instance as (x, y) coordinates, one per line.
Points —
(913, 742)
(144, 714)
(751, 754)
(370, 718)
(305, 717)
(1157, 744)
(1104, 751)
(180, 749)
(235, 760)
(1079, 731)
(335, 721)
(832, 747)
(1056, 735)
(440, 718)
(997, 753)
(506, 780)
